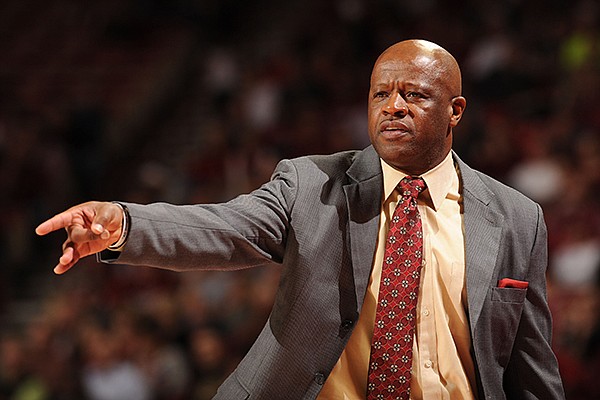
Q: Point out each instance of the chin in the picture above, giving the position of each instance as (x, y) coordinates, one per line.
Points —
(396, 155)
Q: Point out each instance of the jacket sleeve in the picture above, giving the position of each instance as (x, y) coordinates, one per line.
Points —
(532, 371)
(247, 231)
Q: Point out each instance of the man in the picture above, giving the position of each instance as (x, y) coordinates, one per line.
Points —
(482, 321)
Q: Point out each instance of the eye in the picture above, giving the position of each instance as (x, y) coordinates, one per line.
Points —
(380, 95)
(414, 95)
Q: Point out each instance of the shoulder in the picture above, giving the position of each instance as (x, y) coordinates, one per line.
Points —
(503, 191)
(485, 188)
(333, 165)
(324, 178)
(329, 162)
(482, 188)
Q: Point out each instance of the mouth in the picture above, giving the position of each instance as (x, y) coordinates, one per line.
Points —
(393, 128)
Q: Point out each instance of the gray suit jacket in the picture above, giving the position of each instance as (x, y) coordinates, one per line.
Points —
(318, 217)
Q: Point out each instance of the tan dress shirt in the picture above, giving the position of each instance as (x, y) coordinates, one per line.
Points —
(442, 364)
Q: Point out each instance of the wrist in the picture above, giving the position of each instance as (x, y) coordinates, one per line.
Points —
(125, 225)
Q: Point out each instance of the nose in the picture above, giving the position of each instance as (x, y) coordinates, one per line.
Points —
(396, 105)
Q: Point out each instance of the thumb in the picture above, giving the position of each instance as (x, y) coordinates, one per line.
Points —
(108, 219)
(98, 228)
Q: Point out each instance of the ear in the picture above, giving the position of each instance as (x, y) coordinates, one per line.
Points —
(459, 104)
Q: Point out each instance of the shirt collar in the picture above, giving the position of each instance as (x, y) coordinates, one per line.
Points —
(439, 180)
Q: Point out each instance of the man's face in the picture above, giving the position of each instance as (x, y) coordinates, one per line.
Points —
(411, 110)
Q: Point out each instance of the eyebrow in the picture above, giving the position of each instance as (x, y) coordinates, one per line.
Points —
(407, 85)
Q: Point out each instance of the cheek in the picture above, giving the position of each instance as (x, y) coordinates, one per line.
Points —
(372, 117)
(437, 119)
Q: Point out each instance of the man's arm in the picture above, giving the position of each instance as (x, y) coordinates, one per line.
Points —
(246, 231)
(250, 230)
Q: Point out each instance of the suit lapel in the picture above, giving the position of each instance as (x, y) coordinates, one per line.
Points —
(363, 200)
(483, 228)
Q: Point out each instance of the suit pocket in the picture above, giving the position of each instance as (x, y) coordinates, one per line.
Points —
(506, 308)
(509, 295)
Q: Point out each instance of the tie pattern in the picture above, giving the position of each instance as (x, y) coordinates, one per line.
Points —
(391, 347)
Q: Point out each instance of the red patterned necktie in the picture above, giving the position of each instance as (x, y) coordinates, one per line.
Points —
(391, 347)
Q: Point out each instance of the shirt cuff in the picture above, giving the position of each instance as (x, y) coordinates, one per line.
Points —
(125, 224)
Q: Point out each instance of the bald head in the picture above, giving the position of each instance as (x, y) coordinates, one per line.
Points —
(414, 103)
(431, 57)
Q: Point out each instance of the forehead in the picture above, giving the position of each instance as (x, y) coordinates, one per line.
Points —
(420, 70)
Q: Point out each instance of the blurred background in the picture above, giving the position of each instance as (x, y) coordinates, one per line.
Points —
(192, 101)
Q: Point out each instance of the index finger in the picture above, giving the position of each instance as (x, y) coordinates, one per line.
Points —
(55, 223)
(80, 213)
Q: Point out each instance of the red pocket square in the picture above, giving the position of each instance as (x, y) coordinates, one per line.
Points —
(512, 283)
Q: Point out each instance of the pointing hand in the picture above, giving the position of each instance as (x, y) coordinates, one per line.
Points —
(91, 227)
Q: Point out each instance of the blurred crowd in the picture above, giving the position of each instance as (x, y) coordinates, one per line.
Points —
(193, 101)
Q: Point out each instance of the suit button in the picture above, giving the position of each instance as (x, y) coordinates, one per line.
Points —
(319, 378)
(347, 324)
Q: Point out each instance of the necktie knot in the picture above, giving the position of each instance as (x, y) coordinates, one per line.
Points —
(412, 186)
